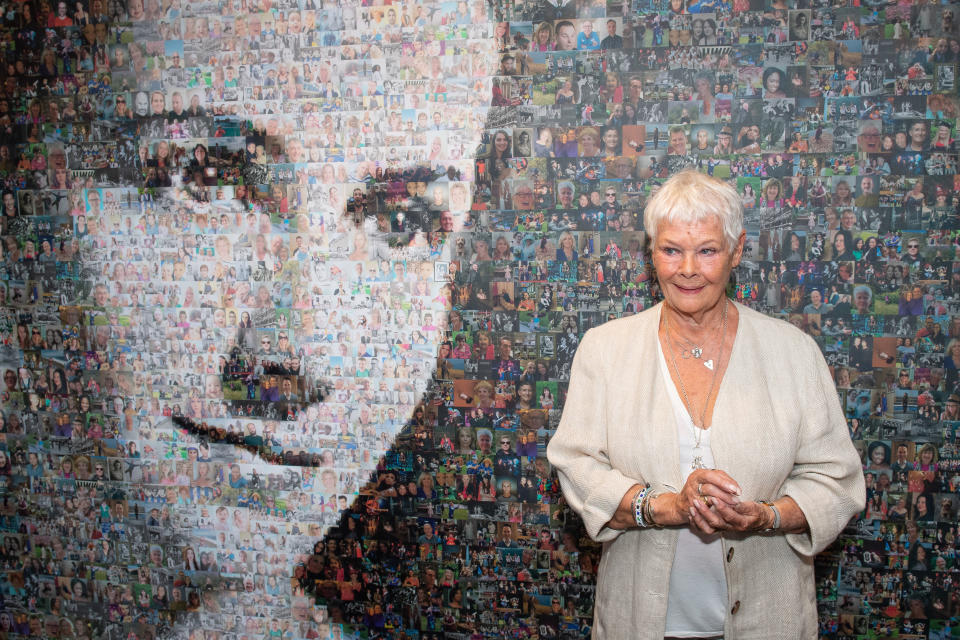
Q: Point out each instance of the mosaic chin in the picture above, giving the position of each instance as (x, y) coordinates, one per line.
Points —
(256, 226)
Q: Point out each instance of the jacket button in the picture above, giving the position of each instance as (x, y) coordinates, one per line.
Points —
(736, 607)
(730, 554)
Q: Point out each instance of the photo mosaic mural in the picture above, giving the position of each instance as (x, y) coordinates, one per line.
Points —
(291, 290)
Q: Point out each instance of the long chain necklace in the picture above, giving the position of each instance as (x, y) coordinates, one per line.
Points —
(698, 428)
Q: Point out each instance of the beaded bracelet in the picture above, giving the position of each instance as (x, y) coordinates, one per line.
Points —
(638, 507)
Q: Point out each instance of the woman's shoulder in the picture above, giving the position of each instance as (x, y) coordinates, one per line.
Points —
(773, 333)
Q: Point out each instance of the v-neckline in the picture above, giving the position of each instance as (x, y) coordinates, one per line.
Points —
(669, 378)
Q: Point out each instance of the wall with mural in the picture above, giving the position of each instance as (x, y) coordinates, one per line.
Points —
(291, 291)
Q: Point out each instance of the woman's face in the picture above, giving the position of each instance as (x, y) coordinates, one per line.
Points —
(877, 455)
(501, 142)
(610, 138)
(839, 243)
(773, 82)
(693, 263)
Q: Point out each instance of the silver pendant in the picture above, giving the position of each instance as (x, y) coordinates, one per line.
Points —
(697, 462)
(697, 352)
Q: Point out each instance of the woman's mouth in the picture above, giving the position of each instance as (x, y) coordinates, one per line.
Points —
(689, 290)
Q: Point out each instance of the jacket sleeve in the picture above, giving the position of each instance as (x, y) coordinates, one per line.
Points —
(578, 449)
(827, 479)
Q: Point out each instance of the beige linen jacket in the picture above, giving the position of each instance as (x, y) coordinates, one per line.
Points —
(777, 429)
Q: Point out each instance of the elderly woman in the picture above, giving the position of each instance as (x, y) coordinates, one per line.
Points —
(704, 444)
(589, 141)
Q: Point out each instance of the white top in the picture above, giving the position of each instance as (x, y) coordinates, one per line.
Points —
(697, 600)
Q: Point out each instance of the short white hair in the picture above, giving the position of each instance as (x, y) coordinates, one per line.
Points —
(690, 197)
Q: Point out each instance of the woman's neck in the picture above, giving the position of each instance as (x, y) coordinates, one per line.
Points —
(697, 323)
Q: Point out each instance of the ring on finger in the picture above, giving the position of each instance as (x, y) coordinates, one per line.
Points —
(700, 489)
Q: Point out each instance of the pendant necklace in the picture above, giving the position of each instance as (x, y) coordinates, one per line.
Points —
(695, 350)
(698, 428)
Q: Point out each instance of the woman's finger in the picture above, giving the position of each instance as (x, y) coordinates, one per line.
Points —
(709, 491)
(721, 479)
(709, 516)
(734, 519)
(698, 522)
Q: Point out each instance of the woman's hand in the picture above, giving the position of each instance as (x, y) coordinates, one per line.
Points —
(744, 517)
(707, 486)
(714, 485)
(748, 517)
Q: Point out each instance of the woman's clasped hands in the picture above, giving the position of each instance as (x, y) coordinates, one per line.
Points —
(710, 502)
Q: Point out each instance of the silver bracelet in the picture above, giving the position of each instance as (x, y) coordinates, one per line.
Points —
(648, 511)
(776, 516)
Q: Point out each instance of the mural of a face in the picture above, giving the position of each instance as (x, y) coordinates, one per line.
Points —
(250, 331)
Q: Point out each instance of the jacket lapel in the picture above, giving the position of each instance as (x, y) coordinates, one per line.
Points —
(661, 450)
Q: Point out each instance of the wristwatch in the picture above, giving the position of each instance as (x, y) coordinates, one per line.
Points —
(776, 516)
